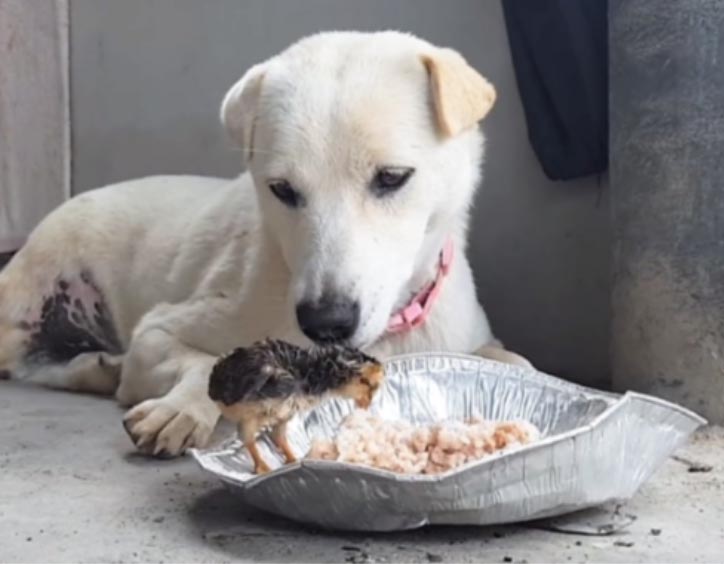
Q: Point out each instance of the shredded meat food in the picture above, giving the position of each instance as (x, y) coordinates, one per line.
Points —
(409, 449)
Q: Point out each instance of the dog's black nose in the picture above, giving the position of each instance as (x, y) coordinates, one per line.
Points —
(331, 319)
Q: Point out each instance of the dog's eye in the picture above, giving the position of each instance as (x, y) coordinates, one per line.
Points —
(286, 194)
(389, 179)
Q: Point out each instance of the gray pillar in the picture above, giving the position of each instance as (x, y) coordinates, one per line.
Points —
(667, 199)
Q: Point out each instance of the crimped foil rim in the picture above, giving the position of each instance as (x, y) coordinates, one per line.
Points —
(617, 402)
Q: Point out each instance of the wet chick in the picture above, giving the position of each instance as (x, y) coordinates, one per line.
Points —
(265, 385)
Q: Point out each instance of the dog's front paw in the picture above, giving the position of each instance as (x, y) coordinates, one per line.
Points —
(157, 427)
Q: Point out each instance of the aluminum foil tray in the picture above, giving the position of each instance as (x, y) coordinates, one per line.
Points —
(596, 447)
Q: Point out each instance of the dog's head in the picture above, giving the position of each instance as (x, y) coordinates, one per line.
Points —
(365, 153)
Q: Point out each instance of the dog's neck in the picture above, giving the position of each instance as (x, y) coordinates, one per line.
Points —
(428, 261)
(416, 311)
(438, 264)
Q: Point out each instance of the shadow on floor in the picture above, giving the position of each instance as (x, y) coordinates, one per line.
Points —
(226, 523)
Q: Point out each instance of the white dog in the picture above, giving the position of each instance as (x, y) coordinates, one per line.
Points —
(363, 155)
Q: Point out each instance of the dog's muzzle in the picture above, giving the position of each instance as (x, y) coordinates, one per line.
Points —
(331, 319)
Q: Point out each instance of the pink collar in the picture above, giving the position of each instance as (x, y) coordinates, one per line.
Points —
(415, 313)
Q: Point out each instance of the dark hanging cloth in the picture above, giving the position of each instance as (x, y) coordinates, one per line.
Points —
(560, 55)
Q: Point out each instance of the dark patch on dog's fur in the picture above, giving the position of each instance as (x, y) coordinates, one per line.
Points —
(66, 328)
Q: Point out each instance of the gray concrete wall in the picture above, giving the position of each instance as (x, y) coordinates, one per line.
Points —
(148, 76)
(34, 115)
(667, 182)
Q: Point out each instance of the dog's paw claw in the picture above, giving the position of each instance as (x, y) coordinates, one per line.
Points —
(162, 430)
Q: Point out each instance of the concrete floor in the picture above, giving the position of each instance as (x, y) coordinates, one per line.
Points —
(71, 490)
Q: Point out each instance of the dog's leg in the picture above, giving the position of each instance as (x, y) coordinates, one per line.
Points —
(183, 416)
(13, 345)
(167, 370)
(170, 358)
(58, 333)
(91, 373)
(498, 353)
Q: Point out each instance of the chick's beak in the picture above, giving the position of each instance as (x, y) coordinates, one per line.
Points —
(363, 402)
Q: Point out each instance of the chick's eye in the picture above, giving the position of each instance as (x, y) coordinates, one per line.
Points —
(390, 179)
(286, 194)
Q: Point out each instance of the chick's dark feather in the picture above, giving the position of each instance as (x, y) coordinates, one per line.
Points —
(277, 369)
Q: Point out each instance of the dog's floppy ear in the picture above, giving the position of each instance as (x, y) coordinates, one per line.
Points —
(461, 96)
(238, 110)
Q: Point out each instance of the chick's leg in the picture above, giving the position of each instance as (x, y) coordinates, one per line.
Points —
(248, 432)
(279, 436)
